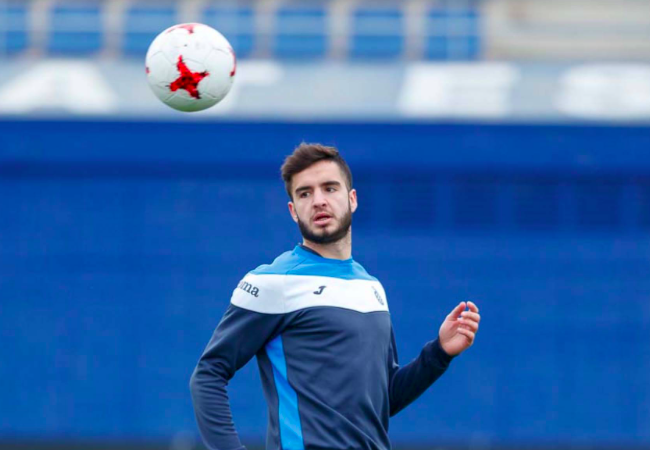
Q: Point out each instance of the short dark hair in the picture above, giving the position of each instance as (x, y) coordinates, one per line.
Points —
(305, 156)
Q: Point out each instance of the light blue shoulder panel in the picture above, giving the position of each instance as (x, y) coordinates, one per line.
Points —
(302, 262)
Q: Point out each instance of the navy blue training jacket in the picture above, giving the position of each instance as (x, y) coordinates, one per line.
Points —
(324, 342)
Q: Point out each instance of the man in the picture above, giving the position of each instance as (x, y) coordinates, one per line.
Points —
(320, 328)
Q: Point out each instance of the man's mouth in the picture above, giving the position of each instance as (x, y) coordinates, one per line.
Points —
(322, 219)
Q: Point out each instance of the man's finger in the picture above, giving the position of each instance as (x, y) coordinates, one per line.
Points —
(472, 307)
(468, 324)
(457, 310)
(476, 317)
(468, 334)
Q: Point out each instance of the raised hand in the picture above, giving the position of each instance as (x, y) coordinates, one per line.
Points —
(459, 329)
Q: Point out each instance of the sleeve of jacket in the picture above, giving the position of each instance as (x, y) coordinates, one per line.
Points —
(407, 383)
(254, 317)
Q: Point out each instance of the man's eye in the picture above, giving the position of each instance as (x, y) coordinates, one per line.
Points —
(331, 189)
(304, 195)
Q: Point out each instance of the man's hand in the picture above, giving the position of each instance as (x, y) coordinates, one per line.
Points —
(459, 329)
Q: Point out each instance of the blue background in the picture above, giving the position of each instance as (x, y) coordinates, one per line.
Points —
(120, 243)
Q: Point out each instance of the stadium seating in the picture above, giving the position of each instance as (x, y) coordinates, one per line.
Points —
(301, 33)
(452, 34)
(292, 30)
(143, 22)
(14, 34)
(377, 33)
(75, 28)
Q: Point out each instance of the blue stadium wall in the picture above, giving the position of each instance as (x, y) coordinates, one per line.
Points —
(120, 244)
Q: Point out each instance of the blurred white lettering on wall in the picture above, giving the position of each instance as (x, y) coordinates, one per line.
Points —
(67, 85)
(458, 90)
(608, 91)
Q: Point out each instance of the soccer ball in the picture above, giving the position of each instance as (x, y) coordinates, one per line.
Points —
(190, 67)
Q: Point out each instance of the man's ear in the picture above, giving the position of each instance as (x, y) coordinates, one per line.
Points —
(352, 195)
(292, 211)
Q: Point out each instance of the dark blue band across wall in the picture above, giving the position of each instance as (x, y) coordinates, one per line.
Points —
(585, 148)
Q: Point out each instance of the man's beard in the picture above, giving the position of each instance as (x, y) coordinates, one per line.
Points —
(327, 237)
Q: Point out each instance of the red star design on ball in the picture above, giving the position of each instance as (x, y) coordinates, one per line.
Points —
(234, 57)
(188, 80)
(186, 26)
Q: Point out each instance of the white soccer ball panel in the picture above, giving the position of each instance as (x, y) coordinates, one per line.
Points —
(182, 101)
(220, 65)
(217, 39)
(159, 73)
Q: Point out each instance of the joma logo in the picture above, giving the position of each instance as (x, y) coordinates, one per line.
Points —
(320, 290)
(378, 296)
(249, 288)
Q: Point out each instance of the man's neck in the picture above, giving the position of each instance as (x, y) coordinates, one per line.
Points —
(341, 249)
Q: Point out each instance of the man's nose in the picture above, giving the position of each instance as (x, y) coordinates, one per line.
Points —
(319, 198)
